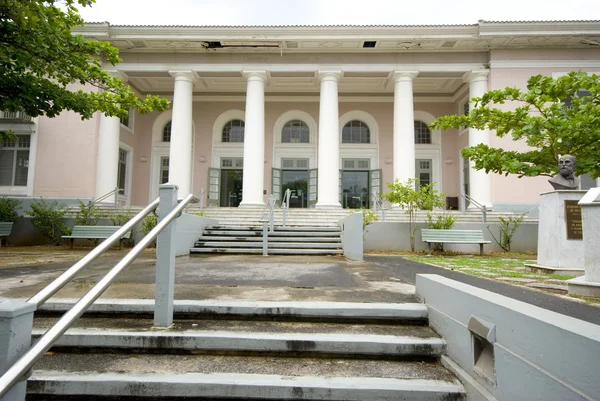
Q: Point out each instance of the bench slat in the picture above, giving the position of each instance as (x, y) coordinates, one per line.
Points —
(454, 237)
(100, 232)
(5, 228)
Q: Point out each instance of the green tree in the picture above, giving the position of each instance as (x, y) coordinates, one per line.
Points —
(40, 57)
(411, 196)
(554, 116)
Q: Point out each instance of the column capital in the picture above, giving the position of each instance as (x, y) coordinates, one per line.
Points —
(476, 76)
(255, 75)
(184, 75)
(329, 75)
(118, 74)
(404, 76)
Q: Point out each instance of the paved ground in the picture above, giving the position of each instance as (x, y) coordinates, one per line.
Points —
(276, 278)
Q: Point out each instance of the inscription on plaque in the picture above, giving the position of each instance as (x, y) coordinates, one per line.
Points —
(573, 220)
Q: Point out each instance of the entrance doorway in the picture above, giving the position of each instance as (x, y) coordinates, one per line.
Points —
(231, 187)
(358, 183)
(293, 175)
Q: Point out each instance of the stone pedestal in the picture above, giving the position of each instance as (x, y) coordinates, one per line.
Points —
(16, 321)
(589, 284)
(558, 251)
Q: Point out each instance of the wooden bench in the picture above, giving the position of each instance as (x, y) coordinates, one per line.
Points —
(94, 232)
(5, 231)
(453, 237)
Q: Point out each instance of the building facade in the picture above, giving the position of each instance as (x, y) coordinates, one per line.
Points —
(331, 112)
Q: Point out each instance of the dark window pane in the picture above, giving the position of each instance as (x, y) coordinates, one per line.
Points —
(233, 131)
(356, 132)
(167, 132)
(22, 168)
(422, 133)
(6, 167)
(295, 132)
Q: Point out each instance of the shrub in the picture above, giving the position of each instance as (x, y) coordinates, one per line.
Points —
(122, 217)
(149, 223)
(9, 209)
(88, 215)
(412, 197)
(442, 221)
(508, 226)
(48, 218)
(369, 216)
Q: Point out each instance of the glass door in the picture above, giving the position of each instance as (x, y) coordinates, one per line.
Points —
(297, 182)
(355, 189)
(231, 182)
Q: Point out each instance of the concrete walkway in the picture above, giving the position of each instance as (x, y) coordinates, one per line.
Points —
(275, 278)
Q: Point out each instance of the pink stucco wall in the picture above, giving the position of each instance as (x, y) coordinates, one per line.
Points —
(66, 156)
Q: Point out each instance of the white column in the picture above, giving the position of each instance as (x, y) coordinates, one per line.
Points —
(107, 163)
(404, 126)
(180, 153)
(329, 142)
(479, 180)
(254, 140)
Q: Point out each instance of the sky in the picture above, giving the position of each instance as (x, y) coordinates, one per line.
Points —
(334, 12)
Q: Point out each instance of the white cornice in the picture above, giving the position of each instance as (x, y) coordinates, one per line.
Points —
(315, 99)
(155, 67)
(544, 64)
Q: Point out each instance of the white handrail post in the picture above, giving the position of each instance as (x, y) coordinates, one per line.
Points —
(271, 211)
(165, 260)
(16, 323)
(265, 239)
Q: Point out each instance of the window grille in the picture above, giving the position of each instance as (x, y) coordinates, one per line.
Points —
(295, 131)
(294, 164)
(356, 132)
(233, 131)
(232, 163)
(14, 161)
(356, 164)
(166, 136)
(422, 133)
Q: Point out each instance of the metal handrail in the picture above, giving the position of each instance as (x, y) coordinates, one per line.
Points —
(267, 219)
(379, 203)
(64, 278)
(27, 361)
(478, 205)
(101, 198)
(285, 205)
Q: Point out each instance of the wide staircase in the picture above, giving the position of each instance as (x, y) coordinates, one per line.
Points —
(244, 350)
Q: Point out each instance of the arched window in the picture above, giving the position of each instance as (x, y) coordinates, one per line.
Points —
(295, 131)
(422, 133)
(166, 134)
(356, 131)
(233, 131)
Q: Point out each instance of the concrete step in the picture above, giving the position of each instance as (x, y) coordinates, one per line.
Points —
(256, 337)
(160, 385)
(297, 383)
(296, 310)
(242, 233)
(271, 251)
(277, 229)
(271, 239)
(273, 245)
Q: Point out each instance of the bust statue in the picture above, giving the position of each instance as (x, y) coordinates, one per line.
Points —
(565, 179)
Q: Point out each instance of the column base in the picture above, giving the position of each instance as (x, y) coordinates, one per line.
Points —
(249, 205)
(580, 286)
(334, 205)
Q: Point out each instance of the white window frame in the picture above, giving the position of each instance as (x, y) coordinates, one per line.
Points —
(288, 150)
(32, 131)
(431, 151)
(126, 197)
(360, 150)
(131, 121)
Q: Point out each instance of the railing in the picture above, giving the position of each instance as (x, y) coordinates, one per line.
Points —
(16, 116)
(378, 202)
(285, 205)
(105, 196)
(13, 375)
(267, 219)
(478, 205)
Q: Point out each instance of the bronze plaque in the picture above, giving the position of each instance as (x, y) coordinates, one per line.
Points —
(573, 220)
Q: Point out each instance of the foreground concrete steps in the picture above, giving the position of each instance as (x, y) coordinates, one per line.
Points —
(244, 350)
(292, 240)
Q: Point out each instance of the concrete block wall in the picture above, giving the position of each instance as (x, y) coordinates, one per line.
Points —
(395, 236)
(537, 354)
